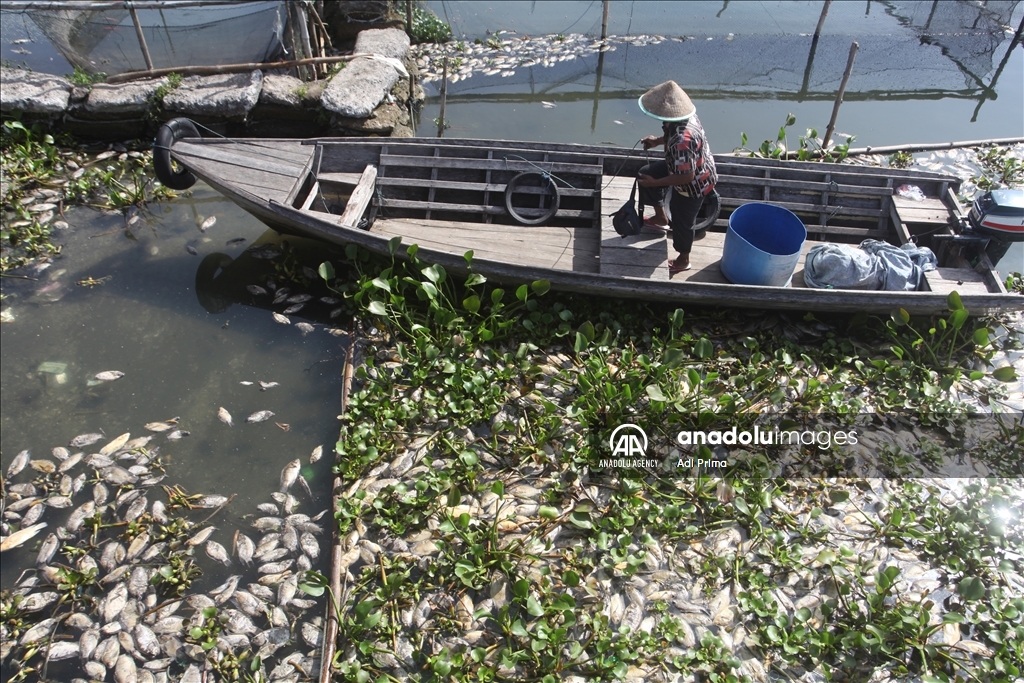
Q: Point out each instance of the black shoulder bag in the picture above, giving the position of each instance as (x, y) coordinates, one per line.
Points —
(626, 220)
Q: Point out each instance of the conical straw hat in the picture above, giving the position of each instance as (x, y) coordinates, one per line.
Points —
(667, 102)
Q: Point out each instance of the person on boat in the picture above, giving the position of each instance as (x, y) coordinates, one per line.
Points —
(688, 168)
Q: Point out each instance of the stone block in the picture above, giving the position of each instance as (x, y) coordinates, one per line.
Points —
(385, 120)
(282, 90)
(123, 100)
(389, 42)
(34, 93)
(224, 95)
(356, 90)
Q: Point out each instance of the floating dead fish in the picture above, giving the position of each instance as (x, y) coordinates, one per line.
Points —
(160, 426)
(19, 463)
(316, 454)
(108, 376)
(43, 466)
(116, 444)
(217, 552)
(283, 426)
(62, 650)
(21, 537)
(295, 308)
(299, 298)
(224, 416)
(192, 250)
(60, 453)
(281, 295)
(201, 536)
(283, 319)
(244, 548)
(207, 502)
(208, 223)
(237, 240)
(178, 434)
(259, 416)
(548, 105)
(268, 385)
(305, 328)
(329, 300)
(48, 549)
(83, 440)
(289, 474)
(256, 290)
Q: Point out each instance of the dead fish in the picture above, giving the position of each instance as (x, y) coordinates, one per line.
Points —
(108, 376)
(207, 224)
(259, 416)
(224, 416)
(160, 426)
(294, 308)
(115, 602)
(305, 328)
(268, 385)
(548, 105)
(42, 466)
(137, 546)
(116, 444)
(125, 670)
(281, 295)
(217, 552)
(237, 240)
(60, 453)
(316, 454)
(207, 502)
(267, 508)
(299, 298)
(329, 300)
(244, 548)
(283, 319)
(178, 434)
(62, 650)
(309, 545)
(83, 440)
(192, 250)
(48, 549)
(118, 476)
(201, 537)
(245, 383)
(77, 518)
(256, 290)
(20, 537)
(289, 474)
(249, 603)
(70, 462)
(41, 630)
(19, 463)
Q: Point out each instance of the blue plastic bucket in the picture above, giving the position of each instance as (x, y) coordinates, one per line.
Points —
(762, 245)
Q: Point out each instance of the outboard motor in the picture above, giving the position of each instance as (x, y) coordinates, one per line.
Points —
(999, 214)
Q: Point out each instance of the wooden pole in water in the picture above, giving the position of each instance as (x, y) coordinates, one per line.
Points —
(839, 95)
(604, 19)
(821, 19)
(444, 96)
(408, 17)
(141, 36)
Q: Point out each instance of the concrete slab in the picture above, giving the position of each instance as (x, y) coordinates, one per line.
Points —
(387, 119)
(225, 95)
(34, 93)
(115, 101)
(357, 89)
(389, 42)
(282, 90)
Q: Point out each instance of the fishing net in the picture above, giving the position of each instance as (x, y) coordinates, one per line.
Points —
(105, 40)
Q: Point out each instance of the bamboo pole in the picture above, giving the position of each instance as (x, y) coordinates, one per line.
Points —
(821, 19)
(408, 17)
(141, 36)
(604, 19)
(919, 147)
(229, 68)
(839, 95)
(444, 96)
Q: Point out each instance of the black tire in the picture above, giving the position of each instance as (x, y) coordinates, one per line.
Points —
(169, 133)
(519, 180)
(710, 210)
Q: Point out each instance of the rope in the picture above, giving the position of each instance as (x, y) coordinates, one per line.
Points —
(543, 172)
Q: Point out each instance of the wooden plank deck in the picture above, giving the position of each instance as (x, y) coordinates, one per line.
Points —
(264, 171)
(542, 246)
(963, 280)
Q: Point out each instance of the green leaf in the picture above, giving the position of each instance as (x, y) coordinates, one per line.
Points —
(433, 273)
(547, 512)
(377, 308)
(540, 287)
(587, 330)
(498, 488)
(196, 633)
(958, 318)
(496, 296)
(315, 591)
(1007, 373)
(475, 279)
(704, 348)
(900, 317)
(790, 119)
(655, 393)
(981, 336)
(971, 588)
(522, 292)
(469, 458)
(533, 607)
(581, 343)
(429, 289)
(743, 139)
(468, 256)
(381, 284)
(581, 519)
(394, 243)
(953, 302)
(571, 579)
(471, 303)
(326, 271)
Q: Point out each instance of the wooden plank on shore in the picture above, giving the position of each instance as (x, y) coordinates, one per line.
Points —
(360, 199)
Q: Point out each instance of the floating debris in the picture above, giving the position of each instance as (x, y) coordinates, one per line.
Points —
(235, 241)
(283, 319)
(259, 416)
(316, 454)
(192, 250)
(268, 385)
(108, 376)
(208, 223)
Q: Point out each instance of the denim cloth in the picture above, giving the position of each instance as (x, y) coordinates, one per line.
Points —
(682, 210)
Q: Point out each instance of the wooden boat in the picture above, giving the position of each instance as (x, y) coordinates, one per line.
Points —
(449, 197)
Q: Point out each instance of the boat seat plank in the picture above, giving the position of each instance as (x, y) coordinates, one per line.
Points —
(805, 185)
(546, 247)
(360, 198)
(489, 164)
(930, 210)
(341, 178)
(475, 187)
(290, 150)
(962, 280)
(796, 207)
(477, 209)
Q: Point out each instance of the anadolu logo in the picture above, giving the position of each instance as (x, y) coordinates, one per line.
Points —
(628, 441)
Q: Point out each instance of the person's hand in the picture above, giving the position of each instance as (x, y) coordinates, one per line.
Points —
(651, 141)
(645, 180)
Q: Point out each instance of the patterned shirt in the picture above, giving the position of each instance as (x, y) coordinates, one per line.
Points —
(687, 151)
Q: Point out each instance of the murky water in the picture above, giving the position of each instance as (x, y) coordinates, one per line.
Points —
(186, 333)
